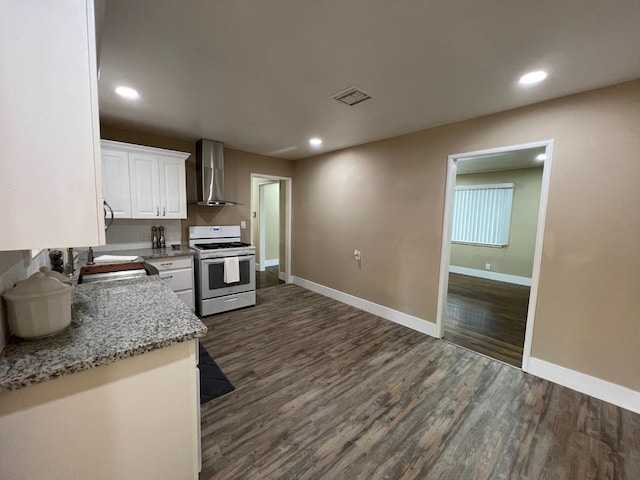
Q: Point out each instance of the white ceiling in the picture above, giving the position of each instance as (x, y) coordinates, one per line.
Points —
(258, 75)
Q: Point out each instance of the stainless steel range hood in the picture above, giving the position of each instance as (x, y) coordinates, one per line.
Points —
(210, 171)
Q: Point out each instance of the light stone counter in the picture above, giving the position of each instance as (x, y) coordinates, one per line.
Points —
(147, 253)
(110, 321)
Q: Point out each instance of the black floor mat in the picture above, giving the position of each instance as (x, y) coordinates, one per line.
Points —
(213, 383)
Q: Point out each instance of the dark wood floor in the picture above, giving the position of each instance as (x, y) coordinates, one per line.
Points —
(268, 278)
(486, 316)
(326, 391)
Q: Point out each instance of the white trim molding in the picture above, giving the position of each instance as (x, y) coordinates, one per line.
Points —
(445, 253)
(609, 392)
(489, 275)
(287, 220)
(274, 262)
(282, 276)
(415, 323)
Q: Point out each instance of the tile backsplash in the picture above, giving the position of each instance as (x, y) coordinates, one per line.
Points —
(139, 231)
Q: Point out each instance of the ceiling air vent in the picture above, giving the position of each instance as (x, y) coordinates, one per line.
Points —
(352, 95)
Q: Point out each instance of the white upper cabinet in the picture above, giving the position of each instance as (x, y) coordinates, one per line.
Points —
(149, 181)
(173, 190)
(50, 179)
(115, 182)
(145, 185)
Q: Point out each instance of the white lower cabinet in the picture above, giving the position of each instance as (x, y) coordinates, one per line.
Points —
(136, 418)
(177, 273)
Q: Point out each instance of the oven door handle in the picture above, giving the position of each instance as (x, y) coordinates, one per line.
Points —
(211, 261)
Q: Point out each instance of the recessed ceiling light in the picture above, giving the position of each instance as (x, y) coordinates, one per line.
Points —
(315, 142)
(127, 92)
(532, 77)
(541, 157)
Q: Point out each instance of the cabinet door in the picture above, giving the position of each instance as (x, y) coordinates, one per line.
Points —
(115, 182)
(145, 192)
(173, 188)
(50, 151)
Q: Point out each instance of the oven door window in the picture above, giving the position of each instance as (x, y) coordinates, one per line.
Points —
(216, 275)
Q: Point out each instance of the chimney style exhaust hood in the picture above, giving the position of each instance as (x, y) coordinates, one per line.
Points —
(210, 172)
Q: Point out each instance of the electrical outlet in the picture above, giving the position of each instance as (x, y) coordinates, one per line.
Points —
(357, 255)
(243, 224)
(487, 266)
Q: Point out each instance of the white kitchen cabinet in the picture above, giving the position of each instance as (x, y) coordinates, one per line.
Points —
(177, 273)
(115, 181)
(152, 180)
(145, 185)
(137, 418)
(173, 187)
(50, 179)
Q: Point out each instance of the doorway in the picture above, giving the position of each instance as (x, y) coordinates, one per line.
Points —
(495, 208)
(271, 229)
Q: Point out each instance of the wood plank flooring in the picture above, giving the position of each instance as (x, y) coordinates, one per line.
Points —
(268, 278)
(486, 316)
(326, 391)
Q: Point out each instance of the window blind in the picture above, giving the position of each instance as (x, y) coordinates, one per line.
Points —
(482, 214)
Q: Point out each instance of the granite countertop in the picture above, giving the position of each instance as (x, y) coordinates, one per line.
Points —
(110, 321)
(150, 252)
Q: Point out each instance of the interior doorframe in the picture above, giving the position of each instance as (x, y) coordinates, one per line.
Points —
(287, 220)
(445, 255)
(262, 248)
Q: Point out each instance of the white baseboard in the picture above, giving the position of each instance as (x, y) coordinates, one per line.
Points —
(282, 276)
(609, 392)
(395, 316)
(489, 275)
(272, 263)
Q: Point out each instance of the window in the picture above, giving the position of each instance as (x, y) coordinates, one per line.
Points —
(482, 214)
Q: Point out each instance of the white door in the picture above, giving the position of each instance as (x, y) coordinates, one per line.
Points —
(115, 182)
(144, 182)
(173, 188)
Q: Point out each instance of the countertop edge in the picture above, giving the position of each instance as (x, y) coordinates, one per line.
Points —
(95, 362)
(26, 363)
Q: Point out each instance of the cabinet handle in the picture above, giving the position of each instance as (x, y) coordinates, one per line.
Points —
(157, 212)
(164, 211)
(167, 278)
(166, 265)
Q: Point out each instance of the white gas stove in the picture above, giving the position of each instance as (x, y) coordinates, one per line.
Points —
(221, 258)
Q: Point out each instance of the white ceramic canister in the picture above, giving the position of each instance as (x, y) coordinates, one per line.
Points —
(38, 307)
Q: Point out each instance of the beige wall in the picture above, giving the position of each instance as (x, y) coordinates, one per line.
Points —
(238, 169)
(517, 257)
(386, 198)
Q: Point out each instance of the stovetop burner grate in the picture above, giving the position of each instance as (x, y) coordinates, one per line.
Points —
(216, 246)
